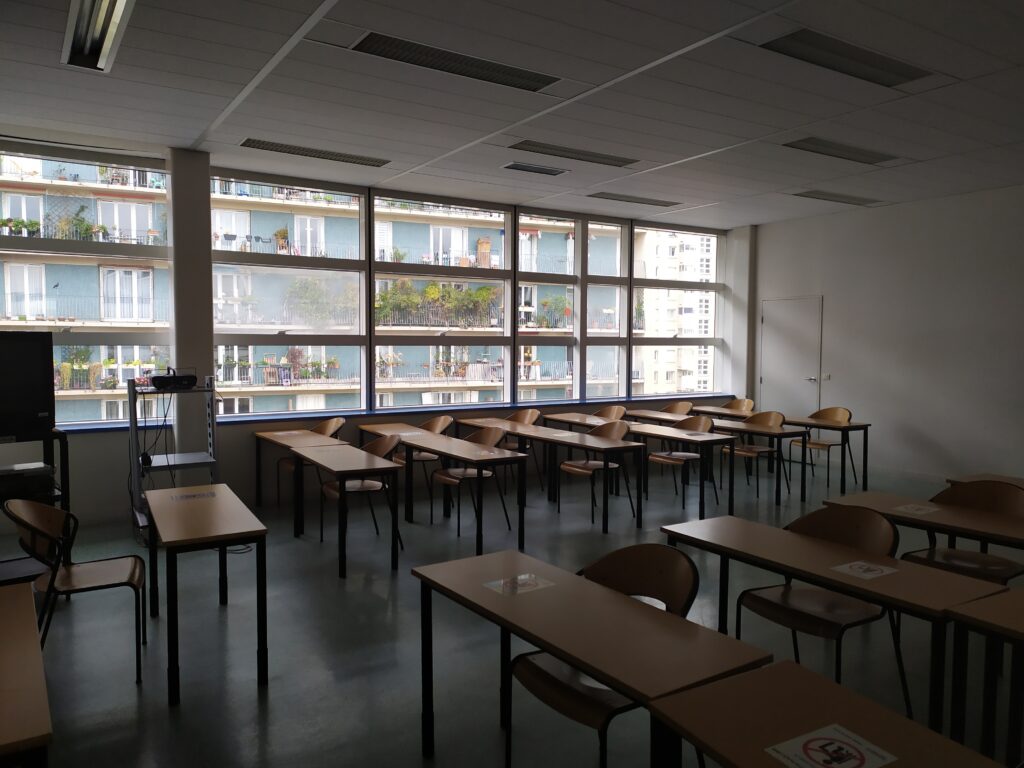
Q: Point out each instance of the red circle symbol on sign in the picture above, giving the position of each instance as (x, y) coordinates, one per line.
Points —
(833, 753)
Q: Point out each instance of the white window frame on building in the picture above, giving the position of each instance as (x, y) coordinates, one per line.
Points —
(146, 407)
(15, 165)
(32, 306)
(231, 406)
(227, 223)
(21, 210)
(230, 290)
(135, 229)
(140, 308)
(452, 237)
(308, 237)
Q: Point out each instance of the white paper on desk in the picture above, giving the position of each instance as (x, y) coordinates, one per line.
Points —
(518, 585)
(199, 495)
(830, 747)
(863, 570)
(916, 509)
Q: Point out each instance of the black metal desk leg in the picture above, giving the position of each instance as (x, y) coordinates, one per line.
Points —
(990, 693)
(222, 567)
(779, 469)
(958, 708)
(480, 510)
(262, 655)
(937, 675)
(844, 439)
(702, 468)
(521, 501)
(173, 680)
(342, 529)
(408, 483)
(1016, 705)
(259, 472)
(426, 671)
(803, 466)
(732, 478)
(666, 745)
(864, 462)
(640, 458)
(723, 594)
(393, 504)
(154, 575)
(604, 493)
(298, 500)
(504, 692)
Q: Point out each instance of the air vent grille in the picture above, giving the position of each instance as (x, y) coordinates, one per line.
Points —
(420, 55)
(824, 51)
(633, 199)
(821, 146)
(573, 154)
(530, 168)
(319, 154)
(838, 197)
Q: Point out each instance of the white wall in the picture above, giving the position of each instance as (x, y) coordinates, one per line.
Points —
(922, 324)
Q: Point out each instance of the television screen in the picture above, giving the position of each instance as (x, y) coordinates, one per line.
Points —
(26, 399)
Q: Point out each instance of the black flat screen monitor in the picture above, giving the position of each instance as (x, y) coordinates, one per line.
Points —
(26, 399)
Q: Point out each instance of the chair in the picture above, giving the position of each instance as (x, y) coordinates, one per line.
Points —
(511, 443)
(674, 458)
(437, 425)
(835, 413)
(589, 467)
(991, 496)
(654, 573)
(740, 404)
(48, 534)
(679, 407)
(454, 476)
(751, 451)
(821, 612)
(329, 428)
(382, 447)
(611, 412)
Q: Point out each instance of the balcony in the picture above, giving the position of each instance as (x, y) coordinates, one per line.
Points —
(441, 373)
(246, 313)
(544, 370)
(34, 171)
(80, 230)
(78, 378)
(310, 375)
(270, 244)
(248, 190)
(440, 317)
(83, 310)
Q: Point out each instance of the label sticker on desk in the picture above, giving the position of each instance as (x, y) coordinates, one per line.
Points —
(863, 570)
(916, 509)
(830, 747)
(518, 585)
(189, 496)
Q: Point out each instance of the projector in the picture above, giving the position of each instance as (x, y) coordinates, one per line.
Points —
(172, 381)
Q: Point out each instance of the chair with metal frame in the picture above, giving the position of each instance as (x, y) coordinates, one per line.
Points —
(834, 413)
(48, 534)
(450, 477)
(511, 443)
(679, 407)
(752, 452)
(675, 458)
(744, 404)
(822, 612)
(589, 466)
(437, 425)
(382, 447)
(611, 412)
(328, 428)
(656, 574)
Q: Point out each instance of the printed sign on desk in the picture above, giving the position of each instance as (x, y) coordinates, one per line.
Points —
(915, 509)
(518, 585)
(830, 747)
(863, 570)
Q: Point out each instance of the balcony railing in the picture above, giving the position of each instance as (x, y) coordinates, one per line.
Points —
(101, 376)
(95, 235)
(545, 370)
(32, 307)
(248, 312)
(283, 375)
(246, 243)
(231, 188)
(440, 372)
(545, 318)
(105, 175)
(439, 317)
(490, 260)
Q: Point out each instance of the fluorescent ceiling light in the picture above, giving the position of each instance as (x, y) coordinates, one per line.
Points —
(94, 32)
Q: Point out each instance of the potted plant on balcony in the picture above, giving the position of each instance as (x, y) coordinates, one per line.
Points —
(281, 239)
(316, 369)
(65, 375)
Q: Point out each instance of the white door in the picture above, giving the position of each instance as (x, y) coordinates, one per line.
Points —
(790, 379)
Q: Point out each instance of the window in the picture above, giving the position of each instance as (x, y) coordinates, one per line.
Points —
(603, 365)
(25, 291)
(234, 405)
(146, 407)
(15, 165)
(127, 293)
(417, 232)
(604, 304)
(232, 296)
(604, 250)
(309, 236)
(449, 247)
(231, 230)
(127, 222)
(23, 210)
(547, 245)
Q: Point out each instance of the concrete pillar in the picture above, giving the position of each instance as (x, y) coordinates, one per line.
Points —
(739, 315)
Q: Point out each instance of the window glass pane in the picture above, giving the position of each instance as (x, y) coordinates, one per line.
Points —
(604, 364)
(661, 254)
(670, 312)
(545, 373)
(547, 245)
(412, 232)
(544, 309)
(438, 374)
(667, 370)
(605, 305)
(405, 304)
(604, 251)
(91, 382)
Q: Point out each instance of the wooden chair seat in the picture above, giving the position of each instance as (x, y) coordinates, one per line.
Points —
(585, 467)
(968, 563)
(357, 485)
(99, 574)
(673, 458)
(569, 691)
(748, 451)
(399, 457)
(817, 445)
(455, 475)
(813, 611)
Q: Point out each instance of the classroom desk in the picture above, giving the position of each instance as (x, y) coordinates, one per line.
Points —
(344, 461)
(1000, 619)
(1018, 481)
(463, 452)
(661, 417)
(574, 419)
(19, 570)
(736, 721)
(718, 412)
(918, 590)
(25, 727)
(207, 517)
(977, 524)
(286, 438)
(705, 443)
(844, 429)
(638, 651)
(555, 438)
(775, 435)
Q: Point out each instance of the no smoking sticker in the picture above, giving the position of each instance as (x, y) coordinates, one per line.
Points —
(830, 747)
(863, 570)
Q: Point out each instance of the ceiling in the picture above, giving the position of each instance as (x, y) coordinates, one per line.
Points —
(683, 89)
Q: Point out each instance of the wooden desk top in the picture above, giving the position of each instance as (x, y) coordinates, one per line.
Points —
(345, 460)
(761, 430)
(296, 438)
(941, 518)
(663, 416)
(736, 720)
(578, 419)
(917, 589)
(556, 436)
(393, 428)
(460, 450)
(1002, 614)
(682, 435)
(840, 426)
(24, 706)
(199, 514)
(636, 649)
(722, 413)
(1018, 481)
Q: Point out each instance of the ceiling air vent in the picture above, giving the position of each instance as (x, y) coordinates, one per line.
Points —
(821, 146)
(633, 199)
(837, 197)
(455, 63)
(529, 168)
(573, 154)
(319, 154)
(816, 48)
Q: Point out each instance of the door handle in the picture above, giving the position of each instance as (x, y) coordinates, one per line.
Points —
(811, 378)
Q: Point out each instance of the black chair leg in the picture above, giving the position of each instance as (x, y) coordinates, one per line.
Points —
(373, 515)
(49, 604)
(321, 515)
(138, 637)
(853, 464)
(504, 509)
(796, 646)
(897, 646)
(593, 497)
(629, 493)
(602, 747)
(142, 590)
(839, 660)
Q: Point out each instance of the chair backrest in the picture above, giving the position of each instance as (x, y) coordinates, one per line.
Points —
(329, 427)
(765, 419)
(695, 424)
(383, 446)
(41, 529)
(834, 413)
(611, 412)
(857, 527)
(986, 495)
(616, 430)
(438, 424)
(488, 436)
(525, 416)
(740, 404)
(682, 407)
(655, 571)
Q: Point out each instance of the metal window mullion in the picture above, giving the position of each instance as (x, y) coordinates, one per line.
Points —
(582, 271)
(512, 251)
(678, 285)
(629, 310)
(369, 372)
